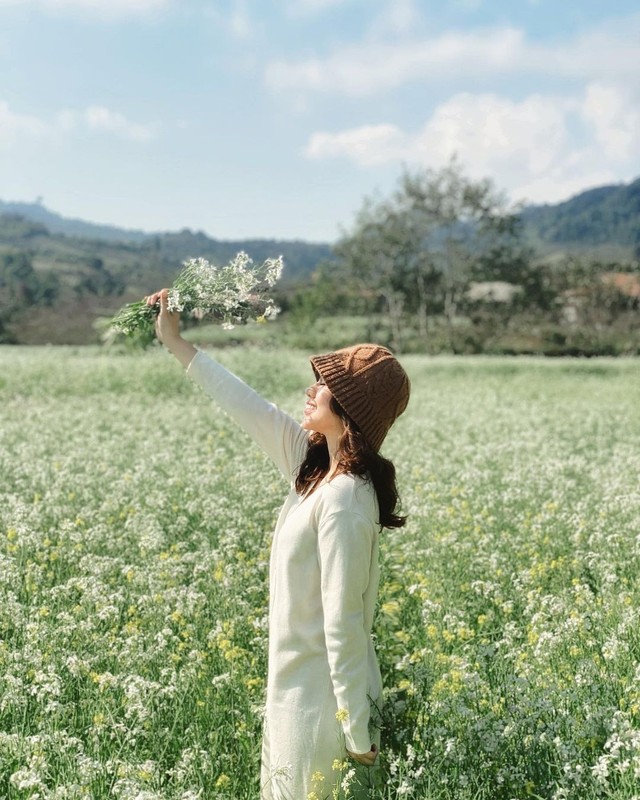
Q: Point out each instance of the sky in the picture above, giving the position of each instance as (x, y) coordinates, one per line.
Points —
(265, 119)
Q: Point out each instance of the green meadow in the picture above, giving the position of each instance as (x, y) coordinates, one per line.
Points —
(134, 541)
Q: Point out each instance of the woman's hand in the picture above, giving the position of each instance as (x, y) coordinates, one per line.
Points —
(167, 322)
(168, 328)
(368, 759)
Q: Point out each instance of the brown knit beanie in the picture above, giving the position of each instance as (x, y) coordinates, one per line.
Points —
(369, 383)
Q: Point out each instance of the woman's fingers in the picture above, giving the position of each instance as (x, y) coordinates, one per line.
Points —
(167, 322)
(163, 299)
(155, 298)
(365, 759)
(368, 759)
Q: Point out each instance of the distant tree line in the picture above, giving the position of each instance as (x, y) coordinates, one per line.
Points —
(445, 264)
(23, 288)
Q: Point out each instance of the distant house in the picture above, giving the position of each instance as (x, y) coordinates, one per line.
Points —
(625, 283)
(492, 291)
(575, 302)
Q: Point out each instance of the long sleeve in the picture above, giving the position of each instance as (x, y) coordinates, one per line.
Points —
(278, 434)
(345, 546)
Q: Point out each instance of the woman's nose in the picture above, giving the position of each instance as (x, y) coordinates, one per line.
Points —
(311, 390)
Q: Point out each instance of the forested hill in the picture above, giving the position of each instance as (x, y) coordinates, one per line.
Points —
(58, 243)
(54, 286)
(603, 216)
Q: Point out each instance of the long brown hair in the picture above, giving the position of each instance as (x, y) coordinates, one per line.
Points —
(356, 457)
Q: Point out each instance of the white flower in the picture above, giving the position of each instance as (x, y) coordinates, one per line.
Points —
(233, 293)
(25, 779)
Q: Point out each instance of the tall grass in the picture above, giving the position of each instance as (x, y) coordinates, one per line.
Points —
(134, 536)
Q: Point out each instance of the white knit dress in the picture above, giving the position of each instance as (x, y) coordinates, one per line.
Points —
(323, 581)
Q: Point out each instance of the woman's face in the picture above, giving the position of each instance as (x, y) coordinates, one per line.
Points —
(318, 415)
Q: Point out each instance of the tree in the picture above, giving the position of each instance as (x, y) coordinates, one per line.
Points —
(418, 249)
(21, 286)
(376, 257)
(18, 279)
(98, 280)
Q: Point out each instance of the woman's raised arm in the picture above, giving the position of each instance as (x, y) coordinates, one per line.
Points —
(278, 434)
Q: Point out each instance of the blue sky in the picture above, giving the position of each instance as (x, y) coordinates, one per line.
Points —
(257, 118)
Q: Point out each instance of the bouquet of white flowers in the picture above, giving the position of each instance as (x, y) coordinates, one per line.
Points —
(234, 293)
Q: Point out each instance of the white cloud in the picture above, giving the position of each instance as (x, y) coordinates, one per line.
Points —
(367, 146)
(540, 147)
(372, 67)
(240, 22)
(398, 17)
(94, 119)
(527, 147)
(235, 18)
(299, 7)
(609, 52)
(16, 126)
(496, 134)
(614, 114)
(394, 17)
(487, 131)
(101, 8)
(99, 118)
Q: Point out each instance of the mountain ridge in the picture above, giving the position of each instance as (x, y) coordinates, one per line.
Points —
(607, 214)
(601, 215)
(75, 227)
(71, 226)
(56, 242)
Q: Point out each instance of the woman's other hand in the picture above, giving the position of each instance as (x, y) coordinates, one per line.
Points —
(368, 759)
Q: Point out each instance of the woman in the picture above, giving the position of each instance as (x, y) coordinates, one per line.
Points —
(323, 687)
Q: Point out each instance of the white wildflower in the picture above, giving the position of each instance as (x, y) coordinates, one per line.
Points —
(347, 779)
(25, 779)
(233, 293)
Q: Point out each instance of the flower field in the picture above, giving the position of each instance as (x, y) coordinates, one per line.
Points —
(134, 524)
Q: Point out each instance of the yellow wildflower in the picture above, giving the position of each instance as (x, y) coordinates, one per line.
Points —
(391, 608)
